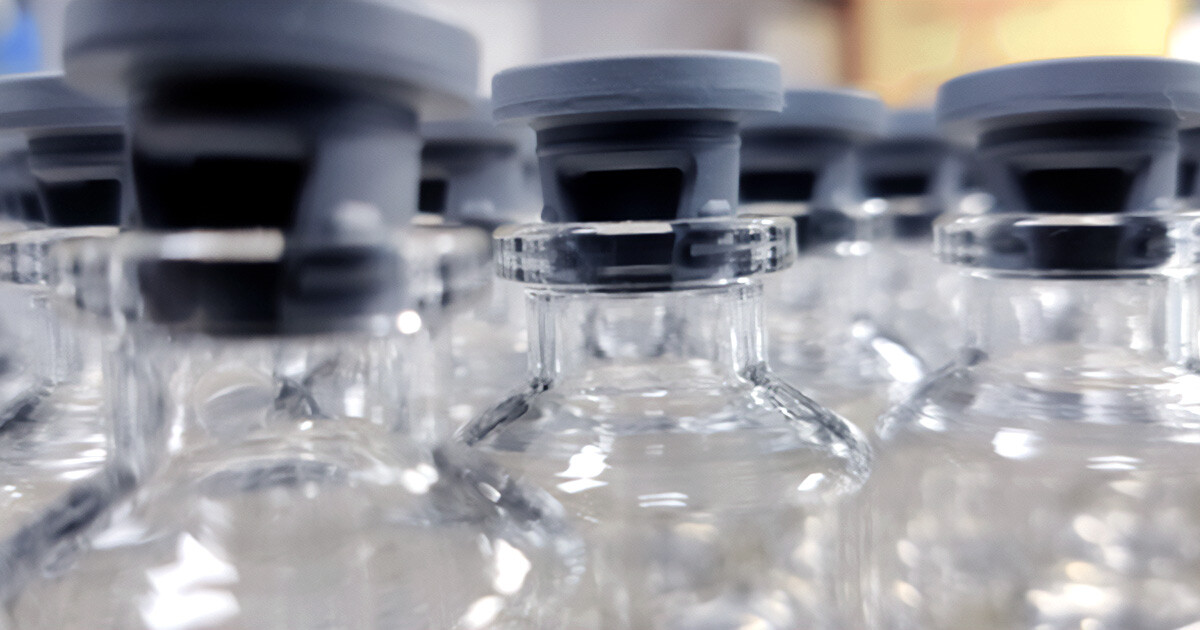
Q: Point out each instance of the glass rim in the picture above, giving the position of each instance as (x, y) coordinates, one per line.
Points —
(440, 269)
(644, 254)
(1067, 243)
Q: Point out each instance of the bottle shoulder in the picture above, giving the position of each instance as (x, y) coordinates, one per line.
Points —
(1011, 410)
(320, 505)
(637, 443)
(347, 481)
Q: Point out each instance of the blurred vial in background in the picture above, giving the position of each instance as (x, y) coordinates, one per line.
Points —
(709, 493)
(920, 176)
(473, 173)
(55, 433)
(1047, 479)
(825, 337)
(269, 298)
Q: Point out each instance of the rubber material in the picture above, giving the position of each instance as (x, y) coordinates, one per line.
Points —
(833, 111)
(76, 149)
(809, 157)
(295, 116)
(645, 137)
(1084, 136)
(111, 45)
(701, 82)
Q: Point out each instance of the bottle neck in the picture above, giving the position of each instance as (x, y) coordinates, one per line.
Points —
(690, 338)
(828, 289)
(1080, 327)
(188, 391)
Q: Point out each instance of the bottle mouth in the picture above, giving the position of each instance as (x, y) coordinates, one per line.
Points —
(1070, 244)
(644, 255)
(818, 226)
(260, 282)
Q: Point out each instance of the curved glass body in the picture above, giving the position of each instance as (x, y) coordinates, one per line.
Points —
(294, 489)
(709, 493)
(826, 335)
(58, 465)
(1047, 479)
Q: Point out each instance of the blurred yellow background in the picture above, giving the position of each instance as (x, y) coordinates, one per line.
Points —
(904, 49)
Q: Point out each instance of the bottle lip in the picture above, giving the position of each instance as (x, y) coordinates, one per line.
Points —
(27, 256)
(441, 269)
(819, 227)
(644, 255)
(1071, 244)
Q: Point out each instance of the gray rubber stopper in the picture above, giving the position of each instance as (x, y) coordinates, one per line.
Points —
(913, 159)
(295, 115)
(473, 170)
(76, 147)
(809, 152)
(19, 196)
(1093, 134)
(1188, 186)
(113, 45)
(651, 136)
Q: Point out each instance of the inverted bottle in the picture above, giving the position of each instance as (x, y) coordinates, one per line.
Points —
(1044, 480)
(827, 337)
(269, 336)
(709, 493)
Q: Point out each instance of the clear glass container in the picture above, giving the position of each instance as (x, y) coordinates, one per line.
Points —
(58, 464)
(1047, 479)
(488, 352)
(916, 295)
(481, 352)
(291, 485)
(828, 336)
(709, 493)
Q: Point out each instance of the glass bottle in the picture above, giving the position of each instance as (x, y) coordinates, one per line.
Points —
(920, 176)
(473, 174)
(59, 466)
(268, 337)
(826, 339)
(1046, 480)
(709, 493)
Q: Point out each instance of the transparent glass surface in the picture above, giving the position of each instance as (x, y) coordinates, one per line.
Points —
(290, 486)
(915, 295)
(644, 255)
(58, 468)
(827, 336)
(1047, 479)
(481, 352)
(709, 493)
(919, 298)
(488, 349)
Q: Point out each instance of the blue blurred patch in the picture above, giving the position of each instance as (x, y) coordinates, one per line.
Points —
(21, 47)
